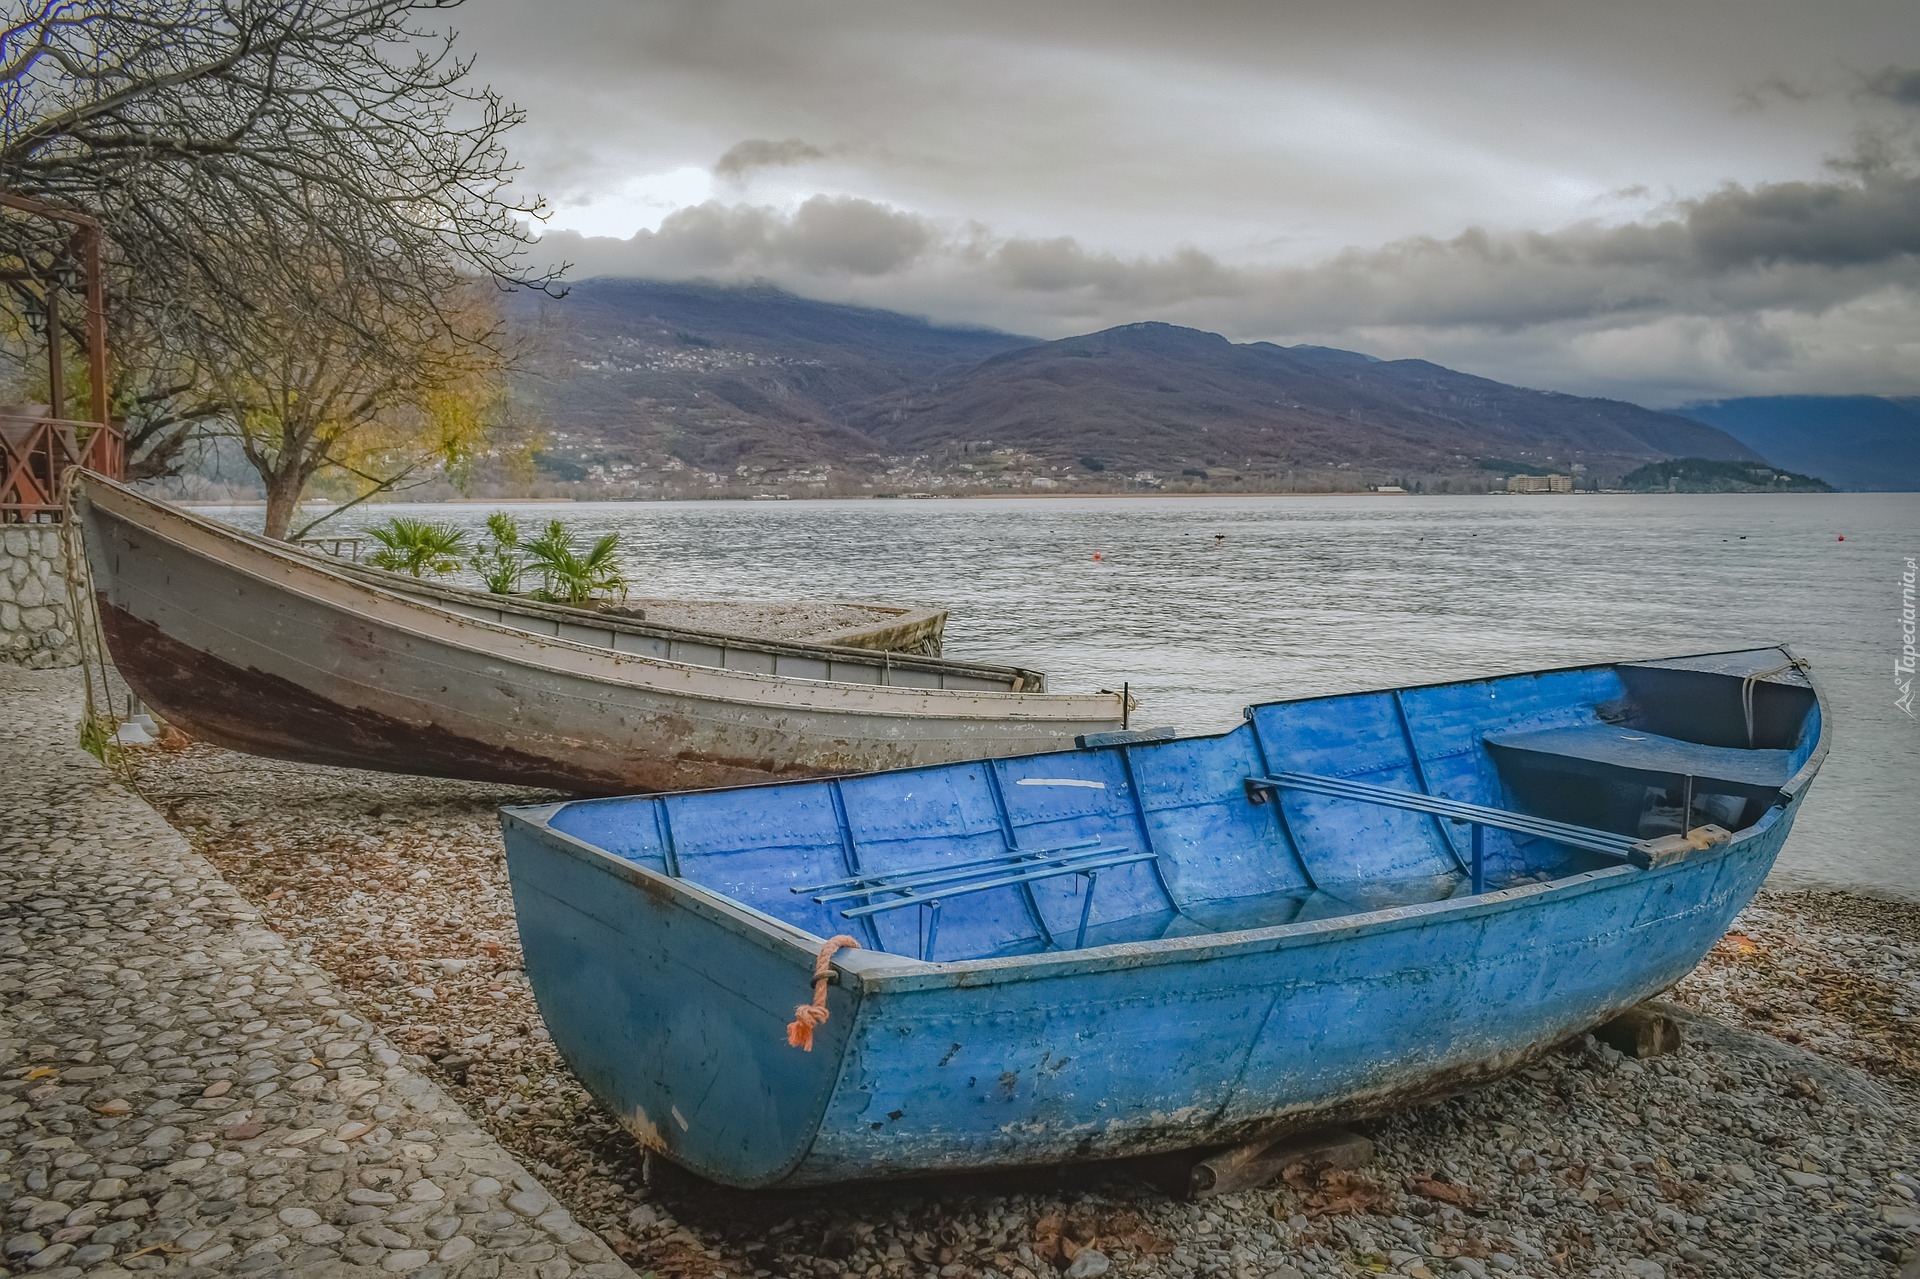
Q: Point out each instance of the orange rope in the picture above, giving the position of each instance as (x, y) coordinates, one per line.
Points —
(807, 1016)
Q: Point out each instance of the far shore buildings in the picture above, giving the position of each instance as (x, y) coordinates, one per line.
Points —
(1539, 484)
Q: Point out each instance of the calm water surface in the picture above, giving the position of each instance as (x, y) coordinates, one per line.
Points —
(1321, 594)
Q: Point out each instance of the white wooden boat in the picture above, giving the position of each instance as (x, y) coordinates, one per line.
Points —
(262, 648)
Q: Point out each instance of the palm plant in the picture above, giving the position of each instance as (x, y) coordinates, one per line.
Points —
(416, 547)
(567, 575)
(500, 562)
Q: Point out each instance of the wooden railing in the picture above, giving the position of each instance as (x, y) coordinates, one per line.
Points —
(37, 448)
(35, 453)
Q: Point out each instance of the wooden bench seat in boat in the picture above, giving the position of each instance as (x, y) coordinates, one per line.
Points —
(1627, 778)
(1636, 750)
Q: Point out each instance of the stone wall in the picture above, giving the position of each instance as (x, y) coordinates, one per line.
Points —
(36, 626)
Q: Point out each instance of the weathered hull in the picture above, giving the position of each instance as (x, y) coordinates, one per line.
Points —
(1204, 1042)
(668, 954)
(272, 653)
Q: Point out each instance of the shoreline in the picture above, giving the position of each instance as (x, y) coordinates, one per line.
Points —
(249, 503)
(1801, 885)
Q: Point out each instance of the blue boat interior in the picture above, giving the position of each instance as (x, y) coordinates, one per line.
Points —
(1311, 809)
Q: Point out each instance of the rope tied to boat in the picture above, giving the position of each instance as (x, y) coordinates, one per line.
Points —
(1746, 688)
(807, 1016)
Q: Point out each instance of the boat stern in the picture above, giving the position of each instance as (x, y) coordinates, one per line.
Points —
(672, 1007)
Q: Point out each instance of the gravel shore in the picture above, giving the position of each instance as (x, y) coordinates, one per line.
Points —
(181, 1094)
(1782, 1140)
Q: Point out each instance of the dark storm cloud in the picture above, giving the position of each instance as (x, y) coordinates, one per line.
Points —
(1060, 264)
(1798, 246)
(1774, 89)
(1825, 224)
(1896, 84)
(743, 158)
(823, 237)
(1636, 194)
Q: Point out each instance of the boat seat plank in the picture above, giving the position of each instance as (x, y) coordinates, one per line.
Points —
(1605, 843)
(1640, 751)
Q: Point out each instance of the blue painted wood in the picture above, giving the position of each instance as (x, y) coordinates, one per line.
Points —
(850, 853)
(1226, 995)
(1420, 780)
(1140, 824)
(1012, 841)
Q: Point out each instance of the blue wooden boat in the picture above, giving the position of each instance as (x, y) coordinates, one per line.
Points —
(1343, 905)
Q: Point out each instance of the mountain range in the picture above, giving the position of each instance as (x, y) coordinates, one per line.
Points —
(681, 387)
(1164, 398)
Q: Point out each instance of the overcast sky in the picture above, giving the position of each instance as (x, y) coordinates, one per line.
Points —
(1656, 199)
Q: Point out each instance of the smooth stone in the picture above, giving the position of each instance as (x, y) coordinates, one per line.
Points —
(529, 1203)
(1088, 1263)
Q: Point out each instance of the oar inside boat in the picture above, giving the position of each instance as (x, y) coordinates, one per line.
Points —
(1343, 903)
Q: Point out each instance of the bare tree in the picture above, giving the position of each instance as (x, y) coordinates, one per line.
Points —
(217, 140)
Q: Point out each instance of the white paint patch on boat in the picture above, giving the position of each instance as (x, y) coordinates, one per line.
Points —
(1062, 781)
(679, 1118)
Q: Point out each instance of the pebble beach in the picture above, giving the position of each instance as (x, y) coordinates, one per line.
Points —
(1782, 1139)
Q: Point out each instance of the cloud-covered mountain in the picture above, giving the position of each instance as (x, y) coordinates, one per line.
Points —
(1645, 200)
(1801, 283)
(728, 377)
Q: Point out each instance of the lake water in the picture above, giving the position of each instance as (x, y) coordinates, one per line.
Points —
(1326, 594)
